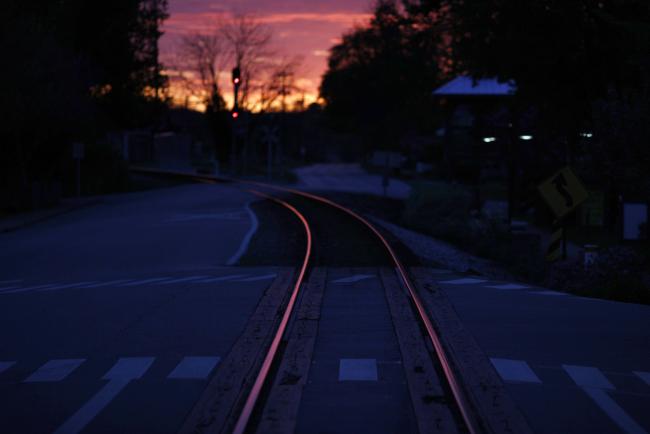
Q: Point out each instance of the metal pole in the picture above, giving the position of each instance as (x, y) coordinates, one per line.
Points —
(78, 170)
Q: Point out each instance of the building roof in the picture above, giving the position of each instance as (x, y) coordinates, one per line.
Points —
(467, 86)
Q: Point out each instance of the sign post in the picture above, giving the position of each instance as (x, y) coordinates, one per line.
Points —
(563, 192)
(78, 155)
(270, 136)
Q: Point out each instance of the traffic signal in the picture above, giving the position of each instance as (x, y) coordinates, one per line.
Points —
(235, 114)
(236, 75)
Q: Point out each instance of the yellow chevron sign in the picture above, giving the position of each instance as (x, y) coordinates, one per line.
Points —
(563, 192)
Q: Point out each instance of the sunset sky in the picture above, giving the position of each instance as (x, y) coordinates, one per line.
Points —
(307, 28)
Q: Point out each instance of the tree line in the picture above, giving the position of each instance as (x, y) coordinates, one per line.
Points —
(580, 65)
(72, 70)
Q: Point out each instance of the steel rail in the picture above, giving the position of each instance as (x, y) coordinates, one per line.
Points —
(262, 375)
(454, 384)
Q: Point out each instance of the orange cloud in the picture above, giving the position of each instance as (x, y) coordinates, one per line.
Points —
(304, 33)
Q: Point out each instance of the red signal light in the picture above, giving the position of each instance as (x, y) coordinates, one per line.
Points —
(235, 115)
(236, 75)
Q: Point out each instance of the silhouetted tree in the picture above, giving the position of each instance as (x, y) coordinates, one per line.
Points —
(71, 71)
(380, 76)
(249, 45)
(205, 57)
(280, 84)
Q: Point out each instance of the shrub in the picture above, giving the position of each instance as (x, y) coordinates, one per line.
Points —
(617, 274)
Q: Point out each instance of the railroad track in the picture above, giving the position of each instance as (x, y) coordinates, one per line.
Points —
(450, 387)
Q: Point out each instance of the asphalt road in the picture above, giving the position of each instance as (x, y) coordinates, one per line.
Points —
(113, 317)
(573, 364)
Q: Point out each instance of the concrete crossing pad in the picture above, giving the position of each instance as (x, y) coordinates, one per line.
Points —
(358, 370)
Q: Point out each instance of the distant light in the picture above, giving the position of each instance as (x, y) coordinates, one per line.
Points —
(236, 81)
(489, 139)
(587, 135)
(526, 137)
(235, 115)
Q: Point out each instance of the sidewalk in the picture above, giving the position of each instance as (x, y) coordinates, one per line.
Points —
(16, 221)
(351, 178)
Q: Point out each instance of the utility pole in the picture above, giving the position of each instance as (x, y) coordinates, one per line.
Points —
(236, 81)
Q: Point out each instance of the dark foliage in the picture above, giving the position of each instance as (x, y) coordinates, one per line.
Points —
(73, 70)
(378, 76)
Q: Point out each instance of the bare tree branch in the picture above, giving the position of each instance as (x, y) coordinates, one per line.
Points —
(205, 56)
(249, 48)
(280, 84)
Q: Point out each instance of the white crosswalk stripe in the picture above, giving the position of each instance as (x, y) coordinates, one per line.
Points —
(354, 279)
(119, 376)
(645, 376)
(194, 368)
(223, 278)
(7, 288)
(614, 411)
(596, 385)
(123, 283)
(184, 279)
(588, 376)
(71, 285)
(516, 371)
(54, 370)
(144, 282)
(30, 288)
(188, 368)
(112, 282)
(6, 365)
(256, 278)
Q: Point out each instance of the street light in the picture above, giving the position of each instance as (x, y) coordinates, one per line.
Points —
(526, 137)
(489, 139)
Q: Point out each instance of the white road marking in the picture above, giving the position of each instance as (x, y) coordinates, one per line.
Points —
(645, 376)
(112, 282)
(355, 278)
(508, 286)
(555, 293)
(463, 281)
(256, 278)
(247, 238)
(54, 370)
(232, 215)
(587, 376)
(614, 411)
(358, 370)
(222, 278)
(184, 279)
(29, 288)
(194, 368)
(123, 372)
(5, 365)
(144, 282)
(515, 371)
(7, 288)
(71, 285)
